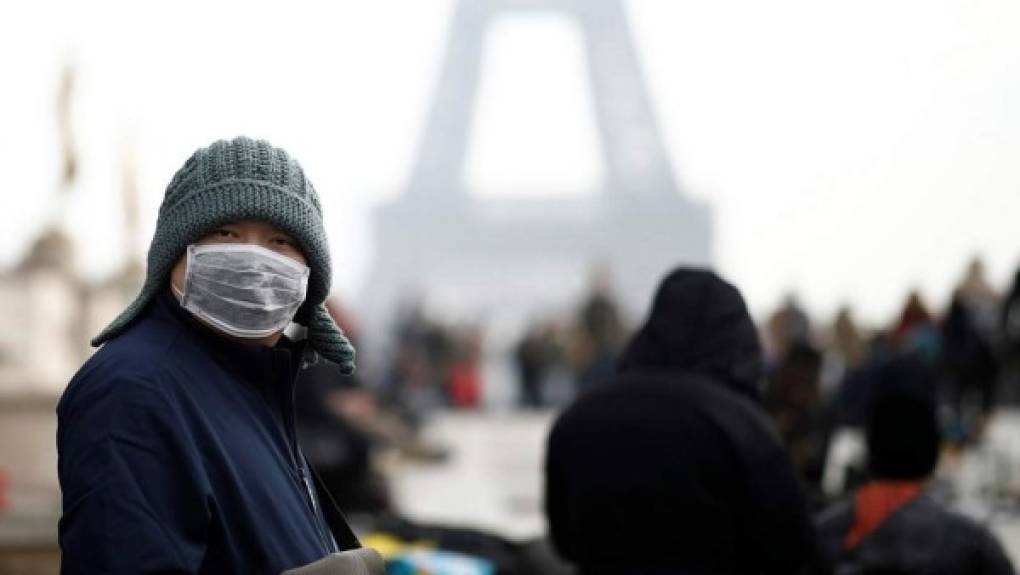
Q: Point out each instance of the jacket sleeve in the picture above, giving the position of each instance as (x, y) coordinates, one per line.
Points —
(133, 494)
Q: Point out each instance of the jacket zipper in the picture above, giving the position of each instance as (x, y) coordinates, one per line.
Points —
(300, 474)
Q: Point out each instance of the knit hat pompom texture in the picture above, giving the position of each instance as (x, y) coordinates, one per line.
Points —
(230, 181)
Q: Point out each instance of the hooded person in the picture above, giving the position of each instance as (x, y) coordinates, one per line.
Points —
(673, 467)
(176, 440)
(892, 524)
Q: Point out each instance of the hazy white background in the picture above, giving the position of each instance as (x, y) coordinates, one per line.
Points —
(851, 150)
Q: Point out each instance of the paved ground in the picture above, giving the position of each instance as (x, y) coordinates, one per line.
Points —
(492, 479)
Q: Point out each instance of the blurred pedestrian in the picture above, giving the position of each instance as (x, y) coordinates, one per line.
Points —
(971, 367)
(1009, 336)
(672, 466)
(600, 333)
(787, 327)
(848, 343)
(464, 385)
(916, 330)
(177, 443)
(969, 356)
(845, 350)
(417, 379)
(793, 400)
(538, 355)
(891, 524)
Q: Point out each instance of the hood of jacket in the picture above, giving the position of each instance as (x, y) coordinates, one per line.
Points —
(699, 324)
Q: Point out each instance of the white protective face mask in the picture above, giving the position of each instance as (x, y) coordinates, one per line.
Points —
(243, 290)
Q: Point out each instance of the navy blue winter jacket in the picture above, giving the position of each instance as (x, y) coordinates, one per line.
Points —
(177, 454)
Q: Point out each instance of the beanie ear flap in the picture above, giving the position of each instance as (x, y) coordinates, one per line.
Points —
(325, 337)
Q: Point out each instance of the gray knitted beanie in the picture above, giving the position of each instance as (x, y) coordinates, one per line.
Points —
(243, 179)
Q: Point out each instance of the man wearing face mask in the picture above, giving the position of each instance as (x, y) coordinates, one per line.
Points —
(176, 440)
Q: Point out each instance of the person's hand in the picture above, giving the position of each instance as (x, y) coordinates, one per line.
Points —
(363, 561)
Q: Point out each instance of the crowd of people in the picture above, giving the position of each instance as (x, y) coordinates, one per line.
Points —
(699, 432)
(703, 453)
(221, 427)
(821, 381)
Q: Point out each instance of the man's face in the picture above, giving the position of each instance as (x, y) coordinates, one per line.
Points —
(243, 232)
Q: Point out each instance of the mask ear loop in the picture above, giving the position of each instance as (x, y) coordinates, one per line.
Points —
(177, 292)
(187, 275)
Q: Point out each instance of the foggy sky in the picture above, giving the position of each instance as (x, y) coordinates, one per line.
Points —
(850, 150)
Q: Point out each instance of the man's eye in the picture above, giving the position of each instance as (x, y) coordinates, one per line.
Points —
(284, 242)
(223, 233)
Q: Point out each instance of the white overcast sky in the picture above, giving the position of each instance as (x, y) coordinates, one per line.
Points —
(850, 150)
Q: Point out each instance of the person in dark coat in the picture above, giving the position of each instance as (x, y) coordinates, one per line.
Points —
(600, 333)
(1009, 336)
(176, 440)
(891, 524)
(793, 400)
(673, 467)
(969, 359)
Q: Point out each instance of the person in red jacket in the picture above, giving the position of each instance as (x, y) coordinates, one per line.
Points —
(892, 524)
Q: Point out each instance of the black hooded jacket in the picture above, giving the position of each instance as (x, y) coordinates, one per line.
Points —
(673, 467)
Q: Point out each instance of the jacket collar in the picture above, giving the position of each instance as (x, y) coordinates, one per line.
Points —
(258, 365)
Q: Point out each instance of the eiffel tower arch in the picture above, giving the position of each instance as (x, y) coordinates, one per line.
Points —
(504, 259)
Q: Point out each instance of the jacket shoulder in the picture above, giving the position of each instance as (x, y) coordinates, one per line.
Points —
(984, 548)
(138, 356)
(692, 400)
(934, 539)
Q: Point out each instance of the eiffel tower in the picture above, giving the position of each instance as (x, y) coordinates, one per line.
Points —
(505, 259)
